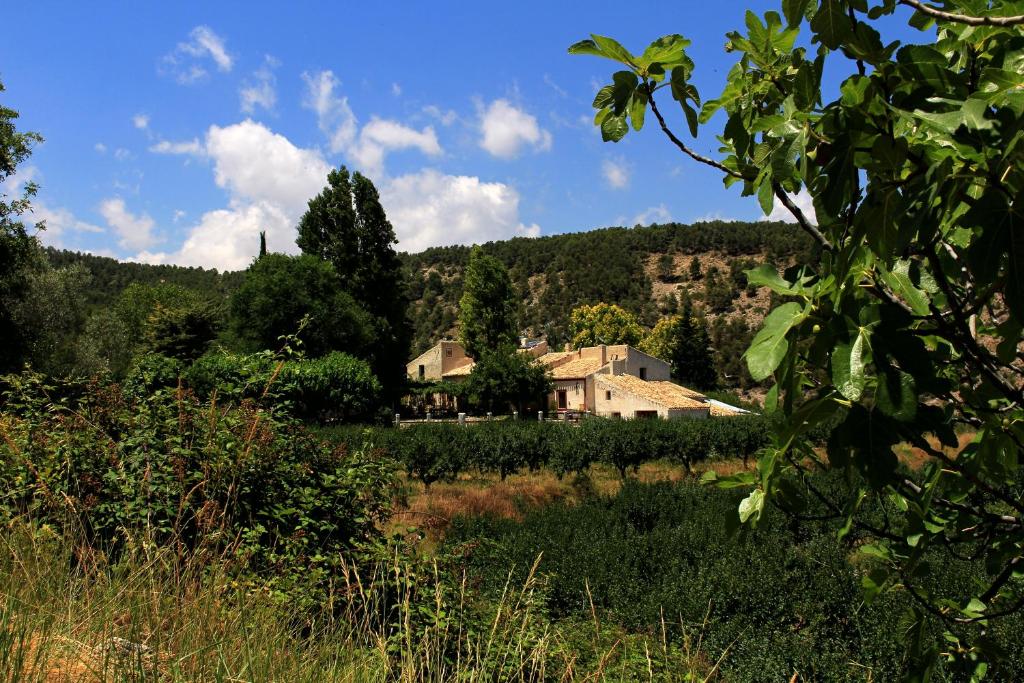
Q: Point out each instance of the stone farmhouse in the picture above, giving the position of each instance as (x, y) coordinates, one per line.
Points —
(616, 381)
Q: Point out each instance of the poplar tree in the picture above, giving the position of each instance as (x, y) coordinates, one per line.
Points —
(347, 226)
(487, 310)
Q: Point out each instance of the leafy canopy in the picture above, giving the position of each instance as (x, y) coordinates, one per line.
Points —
(280, 291)
(346, 226)
(487, 311)
(684, 342)
(604, 324)
(908, 328)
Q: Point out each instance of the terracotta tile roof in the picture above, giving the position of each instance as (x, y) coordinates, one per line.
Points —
(552, 357)
(461, 371)
(576, 369)
(665, 394)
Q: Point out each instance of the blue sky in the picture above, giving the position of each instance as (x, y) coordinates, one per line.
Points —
(175, 132)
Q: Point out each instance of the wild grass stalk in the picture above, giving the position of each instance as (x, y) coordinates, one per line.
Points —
(70, 613)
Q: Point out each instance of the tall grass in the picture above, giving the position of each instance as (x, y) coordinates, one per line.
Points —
(69, 613)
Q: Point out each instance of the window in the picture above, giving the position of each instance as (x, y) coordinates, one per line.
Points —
(448, 352)
(643, 373)
(647, 414)
(607, 395)
(423, 372)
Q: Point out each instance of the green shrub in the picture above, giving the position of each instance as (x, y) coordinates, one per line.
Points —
(660, 555)
(195, 474)
(335, 387)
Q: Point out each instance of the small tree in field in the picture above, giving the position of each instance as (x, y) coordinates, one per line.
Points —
(909, 326)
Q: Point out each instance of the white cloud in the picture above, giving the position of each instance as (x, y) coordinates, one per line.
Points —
(261, 91)
(229, 238)
(136, 232)
(396, 89)
(141, 121)
(334, 115)
(192, 146)
(366, 147)
(380, 136)
(268, 181)
(431, 208)
(178, 215)
(506, 129)
(615, 173)
(59, 221)
(446, 118)
(802, 200)
(255, 164)
(185, 62)
(654, 214)
(121, 154)
(714, 216)
(100, 148)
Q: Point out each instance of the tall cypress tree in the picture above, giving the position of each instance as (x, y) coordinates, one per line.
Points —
(346, 225)
(487, 310)
(692, 360)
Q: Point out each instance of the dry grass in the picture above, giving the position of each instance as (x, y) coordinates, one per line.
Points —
(431, 510)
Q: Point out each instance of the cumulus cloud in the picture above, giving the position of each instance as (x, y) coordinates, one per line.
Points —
(334, 115)
(615, 173)
(60, 223)
(141, 121)
(505, 130)
(193, 147)
(654, 214)
(255, 164)
(54, 223)
(186, 63)
(431, 208)
(380, 136)
(135, 231)
(100, 148)
(261, 90)
(269, 181)
(802, 200)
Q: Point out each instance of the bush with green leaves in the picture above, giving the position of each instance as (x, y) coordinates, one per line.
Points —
(332, 388)
(663, 555)
(200, 475)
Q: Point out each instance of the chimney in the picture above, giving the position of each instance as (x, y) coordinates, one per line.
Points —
(604, 354)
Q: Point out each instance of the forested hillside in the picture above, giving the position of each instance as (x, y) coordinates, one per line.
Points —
(650, 271)
(109, 277)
